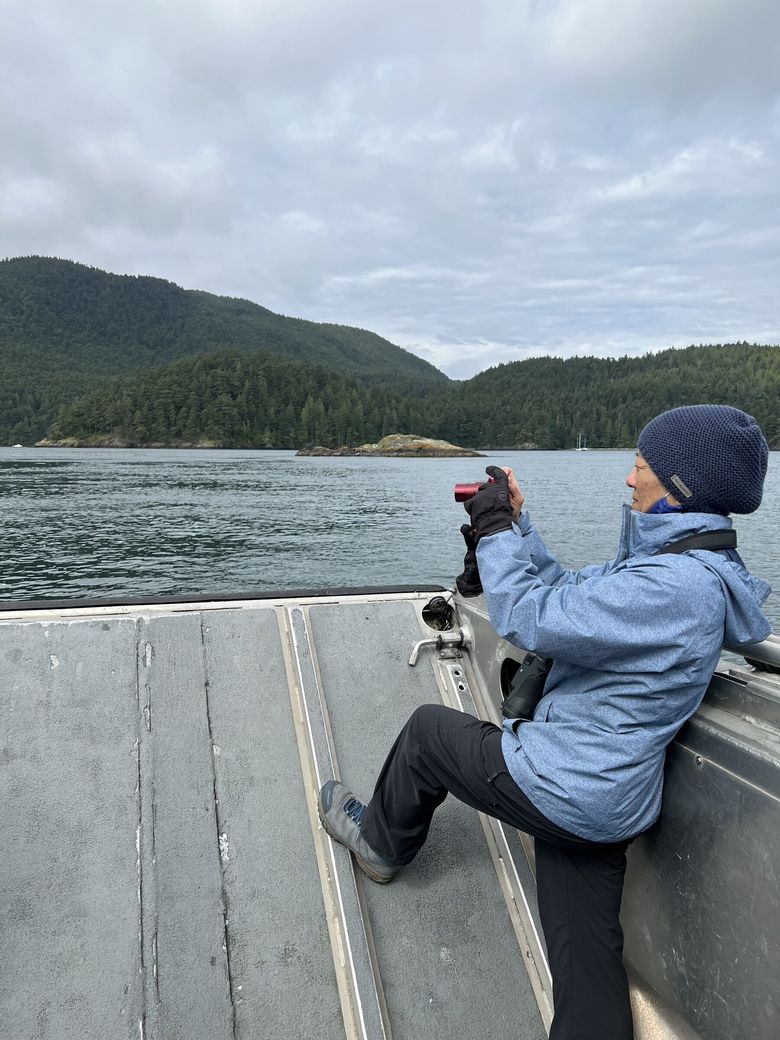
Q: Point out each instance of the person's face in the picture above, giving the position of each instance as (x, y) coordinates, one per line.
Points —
(646, 486)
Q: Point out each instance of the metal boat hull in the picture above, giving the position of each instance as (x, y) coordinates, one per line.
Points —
(164, 872)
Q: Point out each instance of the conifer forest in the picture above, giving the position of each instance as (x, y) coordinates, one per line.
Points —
(94, 358)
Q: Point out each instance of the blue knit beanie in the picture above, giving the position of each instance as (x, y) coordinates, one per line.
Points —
(711, 457)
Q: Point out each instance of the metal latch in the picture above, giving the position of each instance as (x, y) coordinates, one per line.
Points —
(459, 639)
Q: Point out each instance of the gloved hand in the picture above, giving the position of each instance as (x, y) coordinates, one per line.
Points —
(468, 582)
(490, 509)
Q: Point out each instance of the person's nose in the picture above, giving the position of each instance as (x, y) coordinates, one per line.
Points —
(631, 478)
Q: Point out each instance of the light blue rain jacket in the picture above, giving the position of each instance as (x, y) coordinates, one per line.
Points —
(634, 642)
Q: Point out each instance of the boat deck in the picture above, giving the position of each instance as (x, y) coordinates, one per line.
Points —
(164, 874)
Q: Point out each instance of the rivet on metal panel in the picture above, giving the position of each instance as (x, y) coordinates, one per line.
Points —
(699, 760)
(458, 678)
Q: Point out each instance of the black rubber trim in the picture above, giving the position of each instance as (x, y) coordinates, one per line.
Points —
(708, 540)
(762, 666)
(213, 597)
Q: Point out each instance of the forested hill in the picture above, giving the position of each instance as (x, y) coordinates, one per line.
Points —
(64, 327)
(237, 400)
(137, 359)
(549, 401)
(232, 399)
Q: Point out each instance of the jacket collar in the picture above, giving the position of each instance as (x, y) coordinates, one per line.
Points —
(643, 534)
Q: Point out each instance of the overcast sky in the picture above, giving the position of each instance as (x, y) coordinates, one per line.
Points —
(478, 180)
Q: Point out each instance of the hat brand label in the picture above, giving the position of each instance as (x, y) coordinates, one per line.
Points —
(683, 488)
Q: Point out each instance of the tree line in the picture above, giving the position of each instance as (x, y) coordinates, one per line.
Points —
(65, 327)
(259, 400)
(549, 401)
(235, 400)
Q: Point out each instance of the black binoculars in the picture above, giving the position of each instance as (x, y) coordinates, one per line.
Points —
(526, 688)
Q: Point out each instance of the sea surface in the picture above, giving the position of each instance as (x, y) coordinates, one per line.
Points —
(104, 522)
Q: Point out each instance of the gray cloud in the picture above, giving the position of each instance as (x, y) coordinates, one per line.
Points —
(478, 181)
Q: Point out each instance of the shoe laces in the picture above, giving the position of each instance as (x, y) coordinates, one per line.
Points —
(354, 809)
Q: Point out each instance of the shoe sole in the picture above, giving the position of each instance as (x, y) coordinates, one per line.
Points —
(367, 869)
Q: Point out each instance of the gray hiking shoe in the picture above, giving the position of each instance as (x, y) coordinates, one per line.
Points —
(340, 814)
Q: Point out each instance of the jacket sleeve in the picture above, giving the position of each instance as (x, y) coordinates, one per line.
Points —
(530, 547)
(644, 615)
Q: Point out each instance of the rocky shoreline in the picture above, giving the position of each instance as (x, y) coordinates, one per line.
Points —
(119, 442)
(397, 445)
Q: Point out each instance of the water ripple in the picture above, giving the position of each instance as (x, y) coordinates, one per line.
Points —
(80, 522)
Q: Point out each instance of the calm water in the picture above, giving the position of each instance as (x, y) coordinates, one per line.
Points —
(80, 522)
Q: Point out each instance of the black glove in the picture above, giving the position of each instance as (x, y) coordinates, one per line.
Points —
(468, 582)
(490, 509)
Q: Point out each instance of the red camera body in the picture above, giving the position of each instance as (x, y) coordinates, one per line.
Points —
(463, 492)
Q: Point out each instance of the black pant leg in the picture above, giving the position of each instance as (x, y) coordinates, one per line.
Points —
(579, 893)
(437, 751)
(579, 883)
(441, 751)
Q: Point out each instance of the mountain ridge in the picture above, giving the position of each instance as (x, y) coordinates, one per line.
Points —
(65, 326)
(109, 358)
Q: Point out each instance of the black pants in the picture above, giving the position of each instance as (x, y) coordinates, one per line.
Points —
(579, 883)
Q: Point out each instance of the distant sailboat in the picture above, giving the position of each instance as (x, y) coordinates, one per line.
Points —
(582, 444)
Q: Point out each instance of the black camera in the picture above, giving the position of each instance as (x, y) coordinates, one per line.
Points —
(526, 688)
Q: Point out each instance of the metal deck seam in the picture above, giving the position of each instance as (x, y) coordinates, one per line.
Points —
(350, 989)
(218, 820)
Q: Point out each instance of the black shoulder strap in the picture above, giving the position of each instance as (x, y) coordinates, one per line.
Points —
(708, 540)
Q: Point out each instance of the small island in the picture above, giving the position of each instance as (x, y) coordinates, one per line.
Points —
(399, 445)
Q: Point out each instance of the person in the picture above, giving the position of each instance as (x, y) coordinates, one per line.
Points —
(634, 644)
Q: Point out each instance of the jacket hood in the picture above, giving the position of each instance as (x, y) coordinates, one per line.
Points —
(643, 534)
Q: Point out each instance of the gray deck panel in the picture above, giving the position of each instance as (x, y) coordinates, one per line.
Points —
(366, 1014)
(187, 919)
(278, 935)
(69, 914)
(444, 974)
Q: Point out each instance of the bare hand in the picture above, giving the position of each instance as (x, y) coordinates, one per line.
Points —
(516, 496)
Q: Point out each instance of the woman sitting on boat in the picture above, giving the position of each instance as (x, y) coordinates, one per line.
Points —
(634, 643)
